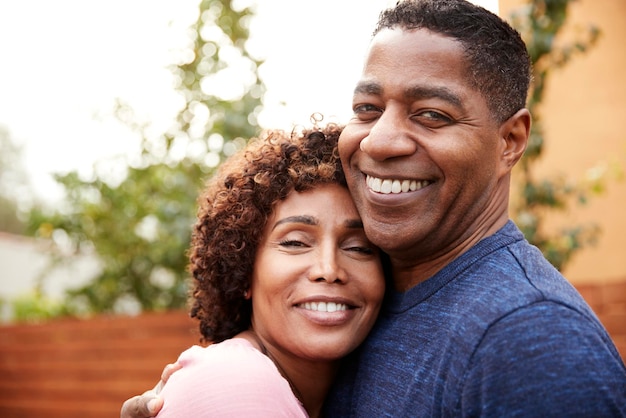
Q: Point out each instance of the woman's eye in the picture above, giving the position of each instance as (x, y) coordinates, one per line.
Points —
(292, 243)
(360, 246)
(363, 250)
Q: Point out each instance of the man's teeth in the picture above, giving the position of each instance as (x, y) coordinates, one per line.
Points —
(387, 186)
(324, 306)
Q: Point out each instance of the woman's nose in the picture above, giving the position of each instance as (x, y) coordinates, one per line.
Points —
(327, 267)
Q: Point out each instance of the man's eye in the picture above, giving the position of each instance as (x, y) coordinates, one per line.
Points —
(365, 108)
(433, 117)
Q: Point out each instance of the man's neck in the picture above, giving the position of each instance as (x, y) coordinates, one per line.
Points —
(411, 268)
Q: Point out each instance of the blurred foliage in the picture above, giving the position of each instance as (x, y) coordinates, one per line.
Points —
(36, 307)
(13, 185)
(9, 216)
(542, 24)
(140, 226)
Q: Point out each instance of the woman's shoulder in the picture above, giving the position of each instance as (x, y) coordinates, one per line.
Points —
(231, 361)
(232, 377)
(228, 352)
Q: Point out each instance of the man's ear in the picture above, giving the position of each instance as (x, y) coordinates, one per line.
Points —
(514, 133)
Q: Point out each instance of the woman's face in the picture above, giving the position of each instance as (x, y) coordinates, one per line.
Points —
(318, 283)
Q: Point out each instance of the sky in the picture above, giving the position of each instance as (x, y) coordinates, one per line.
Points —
(65, 63)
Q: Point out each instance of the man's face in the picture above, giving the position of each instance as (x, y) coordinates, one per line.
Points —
(421, 152)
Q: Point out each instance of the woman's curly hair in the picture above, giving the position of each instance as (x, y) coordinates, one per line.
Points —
(233, 211)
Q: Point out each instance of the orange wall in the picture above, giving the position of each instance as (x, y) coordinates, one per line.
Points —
(584, 114)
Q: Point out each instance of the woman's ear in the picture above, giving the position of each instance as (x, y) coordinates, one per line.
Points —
(514, 133)
(247, 294)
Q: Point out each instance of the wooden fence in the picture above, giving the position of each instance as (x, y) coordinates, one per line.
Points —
(87, 368)
(609, 302)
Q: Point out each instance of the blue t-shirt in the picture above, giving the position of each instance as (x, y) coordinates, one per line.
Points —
(497, 333)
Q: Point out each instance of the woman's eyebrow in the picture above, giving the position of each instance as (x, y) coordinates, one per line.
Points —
(354, 224)
(299, 219)
(311, 220)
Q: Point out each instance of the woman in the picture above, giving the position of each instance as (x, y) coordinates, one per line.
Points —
(285, 283)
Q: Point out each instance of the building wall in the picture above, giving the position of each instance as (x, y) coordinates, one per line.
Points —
(23, 262)
(584, 114)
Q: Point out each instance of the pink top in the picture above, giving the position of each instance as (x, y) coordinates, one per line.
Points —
(229, 379)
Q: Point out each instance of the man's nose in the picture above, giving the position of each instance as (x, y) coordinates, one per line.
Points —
(389, 137)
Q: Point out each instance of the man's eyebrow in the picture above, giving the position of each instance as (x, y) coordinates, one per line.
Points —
(427, 92)
(368, 87)
(299, 219)
(413, 93)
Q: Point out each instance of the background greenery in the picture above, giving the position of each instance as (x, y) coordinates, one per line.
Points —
(139, 227)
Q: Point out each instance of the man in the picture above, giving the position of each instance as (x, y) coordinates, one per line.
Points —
(477, 323)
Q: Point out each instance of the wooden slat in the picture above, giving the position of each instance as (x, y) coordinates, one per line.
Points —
(87, 368)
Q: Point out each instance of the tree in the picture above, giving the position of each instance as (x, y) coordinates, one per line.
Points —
(540, 22)
(140, 227)
(14, 189)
